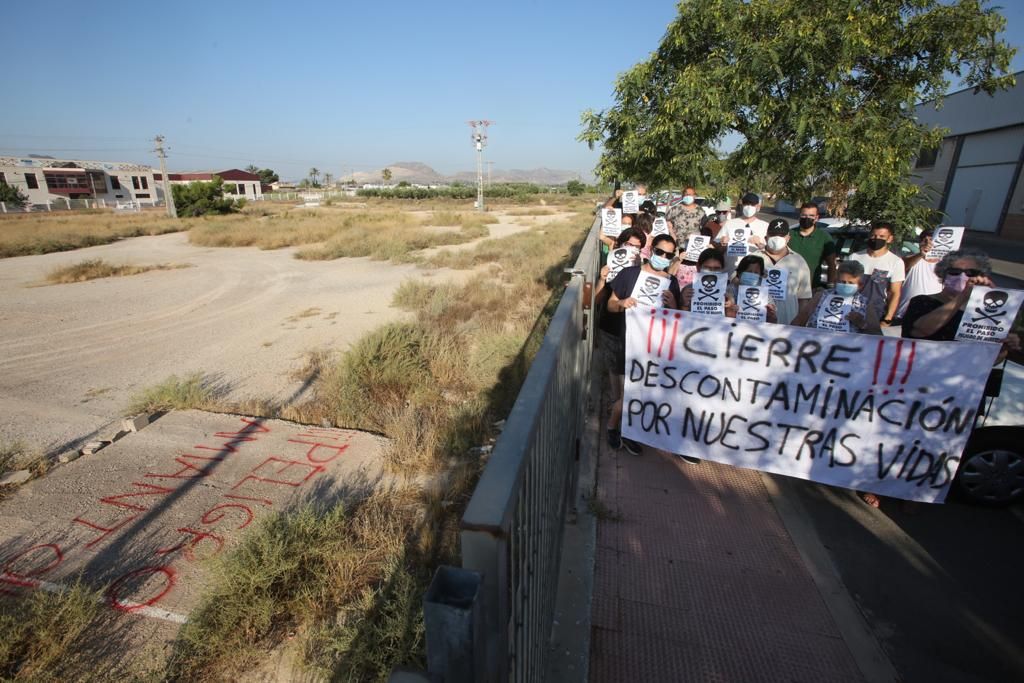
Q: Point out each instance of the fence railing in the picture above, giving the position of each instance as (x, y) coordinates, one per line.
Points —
(512, 528)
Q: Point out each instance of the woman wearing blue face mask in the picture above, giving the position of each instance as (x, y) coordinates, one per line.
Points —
(849, 282)
(937, 316)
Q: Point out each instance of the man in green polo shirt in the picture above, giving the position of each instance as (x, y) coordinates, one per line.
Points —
(814, 244)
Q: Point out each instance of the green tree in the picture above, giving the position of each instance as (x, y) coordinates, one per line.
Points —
(267, 176)
(202, 199)
(314, 173)
(386, 175)
(252, 168)
(12, 196)
(327, 179)
(575, 187)
(821, 93)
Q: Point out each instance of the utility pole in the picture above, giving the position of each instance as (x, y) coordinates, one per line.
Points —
(490, 165)
(479, 137)
(168, 197)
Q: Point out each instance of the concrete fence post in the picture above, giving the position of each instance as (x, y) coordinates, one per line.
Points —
(451, 616)
(3, 206)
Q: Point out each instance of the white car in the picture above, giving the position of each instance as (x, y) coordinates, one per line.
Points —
(991, 470)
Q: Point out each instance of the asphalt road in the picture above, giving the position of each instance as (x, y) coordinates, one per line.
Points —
(938, 585)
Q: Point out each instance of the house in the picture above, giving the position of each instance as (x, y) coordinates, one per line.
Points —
(237, 183)
(974, 177)
(48, 180)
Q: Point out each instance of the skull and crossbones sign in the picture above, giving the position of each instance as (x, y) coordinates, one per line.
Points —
(944, 237)
(834, 310)
(751, 300)
(650, 288)
(775, 277)
(994, 300)
(709, 287)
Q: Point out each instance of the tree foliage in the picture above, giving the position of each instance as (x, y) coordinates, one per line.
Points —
(821, 93)
(267, 176)
(203, 199)
(12, 196)
(386, 175)
(575, 188)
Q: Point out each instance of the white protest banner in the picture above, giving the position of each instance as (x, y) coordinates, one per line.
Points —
(611, 222)
(990, 314)
(738, 242)
(944, 240)
(620, 258)
(832, 311)
(630, 201)
(752, 303)
(777, 280)
(660, 227)
(709, 293)
(867, 413)
(648, 289)
(696, 244)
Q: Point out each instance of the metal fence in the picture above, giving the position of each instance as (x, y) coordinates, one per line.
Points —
(512, 527)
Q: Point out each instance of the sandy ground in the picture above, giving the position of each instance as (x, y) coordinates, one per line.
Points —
(72, 355)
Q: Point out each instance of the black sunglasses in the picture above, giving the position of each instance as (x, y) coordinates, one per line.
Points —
(971, 272)
(663, 253)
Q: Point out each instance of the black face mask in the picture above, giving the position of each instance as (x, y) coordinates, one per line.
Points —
(875, 243)
(806, 222)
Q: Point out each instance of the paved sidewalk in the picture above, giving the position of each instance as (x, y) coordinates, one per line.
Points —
(697, 579)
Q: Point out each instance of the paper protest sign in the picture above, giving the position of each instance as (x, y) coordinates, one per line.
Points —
(777, 280)
(620, 258)
(648, 289)
(832, 311)
(611, 222)
(660, 227)
(989, 314)
(630, 201)
(752, 303)
(696, 244)
(862, 412)
(944, 240)
(709, 293)
(738, 242)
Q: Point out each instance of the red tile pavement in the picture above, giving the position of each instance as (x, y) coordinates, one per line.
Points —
(697, 579)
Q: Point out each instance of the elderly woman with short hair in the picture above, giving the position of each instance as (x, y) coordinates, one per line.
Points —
(937, 316)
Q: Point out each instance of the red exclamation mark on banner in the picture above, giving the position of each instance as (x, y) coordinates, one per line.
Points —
(650, 329)
(672, 344)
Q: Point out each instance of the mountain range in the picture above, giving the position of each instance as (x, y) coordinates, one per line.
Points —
(420, 173)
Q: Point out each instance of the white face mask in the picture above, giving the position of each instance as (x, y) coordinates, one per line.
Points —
(687, 199)
(749, 211)
(776, 243)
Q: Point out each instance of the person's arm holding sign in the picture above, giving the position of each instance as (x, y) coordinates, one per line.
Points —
(806, 310)
(930, 323)
(894, 302)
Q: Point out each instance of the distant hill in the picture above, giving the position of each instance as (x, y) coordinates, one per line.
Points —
(420, 173)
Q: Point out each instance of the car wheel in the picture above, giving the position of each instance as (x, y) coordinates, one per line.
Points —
(993, 475)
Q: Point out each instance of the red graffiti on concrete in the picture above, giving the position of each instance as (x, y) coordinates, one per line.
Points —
(202, 540)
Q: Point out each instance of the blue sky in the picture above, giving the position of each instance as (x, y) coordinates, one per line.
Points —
(336, 85)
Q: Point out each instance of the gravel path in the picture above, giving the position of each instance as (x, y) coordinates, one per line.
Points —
(72, 355)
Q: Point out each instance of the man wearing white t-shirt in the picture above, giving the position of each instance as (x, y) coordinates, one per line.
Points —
(751, 204)
(885, 272)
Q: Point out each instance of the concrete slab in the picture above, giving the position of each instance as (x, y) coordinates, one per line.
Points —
(142, 516)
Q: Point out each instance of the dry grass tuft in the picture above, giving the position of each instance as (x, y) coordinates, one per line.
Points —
(174, 393)
(35, 233)
(42, 634)
(15, 455)
(93, 269)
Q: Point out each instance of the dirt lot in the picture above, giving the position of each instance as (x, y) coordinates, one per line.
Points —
(71, 355)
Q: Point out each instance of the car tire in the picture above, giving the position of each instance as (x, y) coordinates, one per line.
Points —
(992, 470)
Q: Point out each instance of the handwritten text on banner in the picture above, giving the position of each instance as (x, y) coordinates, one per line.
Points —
(864, 412)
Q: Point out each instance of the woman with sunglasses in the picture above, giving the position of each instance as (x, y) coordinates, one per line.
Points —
(937, 316)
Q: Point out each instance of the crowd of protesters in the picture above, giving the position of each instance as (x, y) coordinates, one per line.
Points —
(920, 297)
